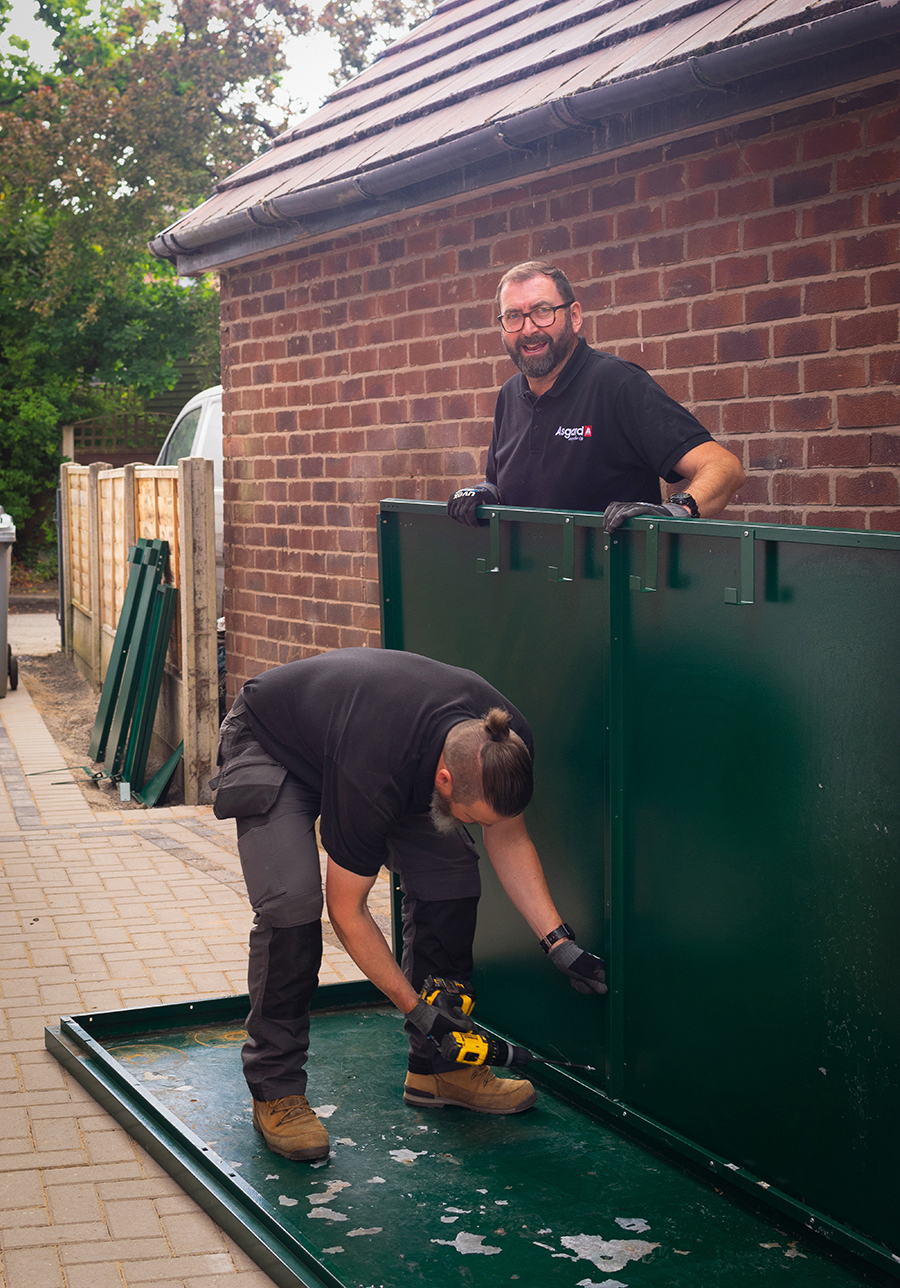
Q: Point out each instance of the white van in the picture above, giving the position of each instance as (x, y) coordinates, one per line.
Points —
(198, 432)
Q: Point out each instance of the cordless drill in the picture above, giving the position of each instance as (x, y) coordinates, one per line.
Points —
(475, 1047)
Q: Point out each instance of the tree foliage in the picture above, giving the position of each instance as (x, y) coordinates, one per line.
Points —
(148, 105)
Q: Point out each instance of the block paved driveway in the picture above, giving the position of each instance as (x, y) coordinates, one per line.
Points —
(99, 911)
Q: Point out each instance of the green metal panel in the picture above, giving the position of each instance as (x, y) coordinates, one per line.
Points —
(134, 645)
(717, 722)
(760, 761)
(162, 617)
(146, 562)
(537, 630)
(409, 1196)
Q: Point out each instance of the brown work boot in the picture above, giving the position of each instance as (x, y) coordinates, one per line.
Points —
(290, 1127)
(470, 1088)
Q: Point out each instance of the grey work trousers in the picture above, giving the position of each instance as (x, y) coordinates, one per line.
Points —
(441, 885)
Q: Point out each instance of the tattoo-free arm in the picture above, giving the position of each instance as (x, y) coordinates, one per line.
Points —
(712, 475)
(347, 894)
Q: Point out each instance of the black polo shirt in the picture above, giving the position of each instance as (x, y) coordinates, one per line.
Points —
(605, 431)
(365, 728)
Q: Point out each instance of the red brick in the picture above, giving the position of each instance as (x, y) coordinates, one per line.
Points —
(636, 288)
(607, 196)
(839, 450)
(649, 354)
(800, 186)
(691, 351)
(661, 181)
(770, 230)
(801, 489)
(884, 128)
(803, 414)
(613, 259)
(885, 448)
(885, 287)
(835, 519)
(744, 198)
(869, 251)
(770, 154)
(665, 320)
(718, 383)
(884, 207)
(884, 367)
(834, 373)
(833, 216)
(835, 295)
(801, 337)
(661, 250)
(746, 417)
(687, 212)
(590, 232)
(708, 172)
(639, 220)
(833, 139)
(874, 487)
(884, 520)
(866, 171)
(766, 306)
(769, 379)
(639, 160)
(688, 279)
(775, 452)
(880, 407)
(718, 239)
(709, 315)
(745, 270)
(865, 330)
(743, 346)
(808, 259)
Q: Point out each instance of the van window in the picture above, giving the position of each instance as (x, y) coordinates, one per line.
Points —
(181, 439)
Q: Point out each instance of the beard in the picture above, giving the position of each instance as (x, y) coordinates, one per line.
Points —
(441, 817)
(538, 365)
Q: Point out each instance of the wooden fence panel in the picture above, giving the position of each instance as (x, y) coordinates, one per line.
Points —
(104, 512)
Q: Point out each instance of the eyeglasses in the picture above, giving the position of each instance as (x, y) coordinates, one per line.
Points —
(541, 315)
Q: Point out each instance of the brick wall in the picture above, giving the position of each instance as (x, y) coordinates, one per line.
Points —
(753, 269)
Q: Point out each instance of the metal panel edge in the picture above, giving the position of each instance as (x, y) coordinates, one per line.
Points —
(234, 1206)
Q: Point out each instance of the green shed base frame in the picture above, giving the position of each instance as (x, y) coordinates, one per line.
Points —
(559, 1194)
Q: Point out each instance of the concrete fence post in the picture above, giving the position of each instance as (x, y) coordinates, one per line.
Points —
(199, 651)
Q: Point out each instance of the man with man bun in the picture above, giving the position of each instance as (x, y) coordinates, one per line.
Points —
(394, 754)
(578, 429)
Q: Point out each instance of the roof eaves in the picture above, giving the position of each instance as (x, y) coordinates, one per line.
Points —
(714, 68)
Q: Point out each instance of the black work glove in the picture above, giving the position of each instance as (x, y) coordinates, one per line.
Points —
(463, 504)
(587, 973)
(437, 1023)
(617, 512)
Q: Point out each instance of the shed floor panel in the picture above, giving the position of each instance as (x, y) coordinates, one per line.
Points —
(409, 1196)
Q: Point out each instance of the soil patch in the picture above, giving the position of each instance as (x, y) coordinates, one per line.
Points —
(68, 707)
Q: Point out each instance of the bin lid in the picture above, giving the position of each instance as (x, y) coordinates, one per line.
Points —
(7, 527)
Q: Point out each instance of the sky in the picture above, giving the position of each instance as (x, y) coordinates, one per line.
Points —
(310, 59)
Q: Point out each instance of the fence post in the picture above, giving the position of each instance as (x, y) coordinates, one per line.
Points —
(199, 652)
(65, 589)
(96, 571)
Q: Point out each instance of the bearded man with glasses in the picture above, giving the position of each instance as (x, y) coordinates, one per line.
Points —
(578, 429)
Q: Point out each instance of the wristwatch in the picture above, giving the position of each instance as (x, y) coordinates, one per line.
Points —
(685, 499)
(564, 931)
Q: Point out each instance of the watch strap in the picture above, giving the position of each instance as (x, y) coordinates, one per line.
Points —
(564, 931)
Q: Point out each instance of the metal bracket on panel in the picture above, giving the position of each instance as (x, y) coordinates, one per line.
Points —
(567, 571)
(493, 563)
(748, 572)
(651, 566)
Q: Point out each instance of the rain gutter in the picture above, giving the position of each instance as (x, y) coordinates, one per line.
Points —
(713, 71)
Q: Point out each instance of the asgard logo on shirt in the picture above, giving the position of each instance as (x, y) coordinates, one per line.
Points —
(578, 433)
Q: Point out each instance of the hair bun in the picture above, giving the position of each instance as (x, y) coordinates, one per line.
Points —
(496, 722)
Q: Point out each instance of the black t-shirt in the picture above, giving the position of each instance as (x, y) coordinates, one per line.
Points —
(366, 728)
(605, 431)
